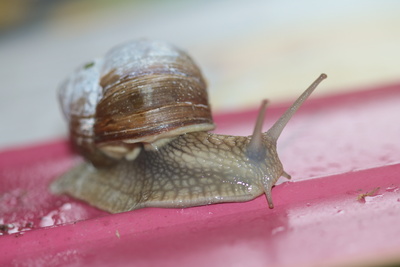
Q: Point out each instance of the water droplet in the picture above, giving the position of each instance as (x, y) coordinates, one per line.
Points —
(392, 189)
(55, 216)
(277, 230)
(66, 206)
(13, 230)
(48, 219)
(370, 199)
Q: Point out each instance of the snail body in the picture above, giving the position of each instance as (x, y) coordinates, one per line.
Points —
(179, 164)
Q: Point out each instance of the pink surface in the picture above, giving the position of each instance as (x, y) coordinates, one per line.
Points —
(349, 144)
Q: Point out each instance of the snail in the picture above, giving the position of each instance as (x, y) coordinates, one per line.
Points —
(141, 118)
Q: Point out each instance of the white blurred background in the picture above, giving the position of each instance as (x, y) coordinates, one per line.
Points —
(247, 50)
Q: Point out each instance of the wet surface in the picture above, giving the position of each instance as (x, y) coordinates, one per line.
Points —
(348, 215)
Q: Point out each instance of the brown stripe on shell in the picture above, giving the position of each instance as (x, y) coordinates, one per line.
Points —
(151, 104)
(152, 123)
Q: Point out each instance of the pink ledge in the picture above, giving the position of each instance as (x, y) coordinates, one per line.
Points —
(342, 207)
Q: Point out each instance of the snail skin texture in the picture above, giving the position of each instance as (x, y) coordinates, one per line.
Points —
(140, 117)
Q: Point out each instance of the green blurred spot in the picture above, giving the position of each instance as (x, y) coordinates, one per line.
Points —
(88, 65)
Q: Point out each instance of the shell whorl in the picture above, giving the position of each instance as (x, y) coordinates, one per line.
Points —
(141, 92)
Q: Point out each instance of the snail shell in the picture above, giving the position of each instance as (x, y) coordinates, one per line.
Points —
(140, 117)
(141, 92)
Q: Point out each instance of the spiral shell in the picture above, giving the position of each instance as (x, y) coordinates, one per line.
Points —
(141, 92)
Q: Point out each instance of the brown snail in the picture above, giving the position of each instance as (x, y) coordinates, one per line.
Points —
(140, 117)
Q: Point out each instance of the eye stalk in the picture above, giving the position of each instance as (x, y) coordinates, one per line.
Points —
(278, 127)
(257, 148)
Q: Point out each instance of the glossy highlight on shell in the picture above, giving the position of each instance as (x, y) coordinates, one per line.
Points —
(140, 117)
